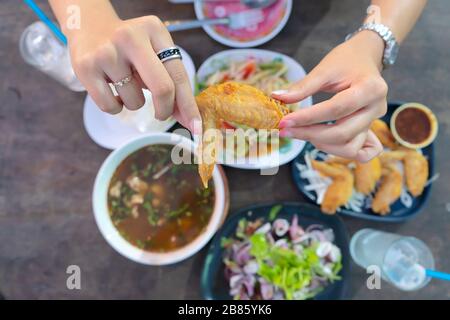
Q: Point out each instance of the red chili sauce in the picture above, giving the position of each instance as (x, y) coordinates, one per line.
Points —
(413, 125)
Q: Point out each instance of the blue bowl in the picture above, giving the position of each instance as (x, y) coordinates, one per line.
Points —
(398, 212)
(213, 283)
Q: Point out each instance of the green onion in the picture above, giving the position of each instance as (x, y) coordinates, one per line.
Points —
(274, 212)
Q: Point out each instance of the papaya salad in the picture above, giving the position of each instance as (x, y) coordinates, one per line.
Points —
(280, 260)
(266, 76)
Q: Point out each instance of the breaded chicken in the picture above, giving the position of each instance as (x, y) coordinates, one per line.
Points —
(415, 165)
(383, 133)
(389, 190)
(237, 103)
(416, 172)
(367, 175)
(340, 190)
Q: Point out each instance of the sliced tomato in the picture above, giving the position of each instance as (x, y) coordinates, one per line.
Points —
(248, 69)
(226, 125)
(226, 77)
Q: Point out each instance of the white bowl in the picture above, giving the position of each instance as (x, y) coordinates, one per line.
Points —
(110, 131)
(109, 231)
(198, 7)
(295, 73)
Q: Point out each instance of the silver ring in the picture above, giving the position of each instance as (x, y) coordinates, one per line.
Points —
(169, 54)
(123, 81)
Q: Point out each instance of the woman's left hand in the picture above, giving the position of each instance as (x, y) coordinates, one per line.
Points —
(352, 71)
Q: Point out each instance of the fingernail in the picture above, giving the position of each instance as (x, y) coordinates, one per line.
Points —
(286, 124)
(285, 133)
(279, 92)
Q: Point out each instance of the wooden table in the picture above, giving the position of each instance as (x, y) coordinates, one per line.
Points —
(48, 163)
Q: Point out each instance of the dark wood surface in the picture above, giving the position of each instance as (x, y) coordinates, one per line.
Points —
(48, 163)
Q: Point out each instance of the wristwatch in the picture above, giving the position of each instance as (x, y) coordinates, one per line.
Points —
(391, 45)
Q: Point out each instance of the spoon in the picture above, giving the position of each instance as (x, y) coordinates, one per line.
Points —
(248, 3)
(258, 3)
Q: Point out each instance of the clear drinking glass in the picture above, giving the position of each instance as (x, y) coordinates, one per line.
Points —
(402, 260)
(40, 48)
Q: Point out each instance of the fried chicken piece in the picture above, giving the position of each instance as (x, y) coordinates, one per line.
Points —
(416, 168)
(389, 191)
(383, 133)
(338, 160)
(232, 102)
(367, 175)
(416, 172)
(340, 190)
(391, 157)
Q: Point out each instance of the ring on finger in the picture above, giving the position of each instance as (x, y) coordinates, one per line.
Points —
(123, 81)
(169, 54)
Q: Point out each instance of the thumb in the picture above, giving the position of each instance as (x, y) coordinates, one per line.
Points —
(372, 147)
(302, 89)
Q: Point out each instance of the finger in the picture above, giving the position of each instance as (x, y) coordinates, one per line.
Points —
(99, 90)
(187, 111)
(340, 132)
(155, 77)
(302, 89)
(372, 147)
(116, 68)
(348, 150)
(340, 105)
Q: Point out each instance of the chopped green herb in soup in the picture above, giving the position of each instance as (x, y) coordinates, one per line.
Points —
(156, 205)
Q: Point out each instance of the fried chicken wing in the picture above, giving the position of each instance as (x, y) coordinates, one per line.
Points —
(416, 172)
(415, 165)
(383, 133)
(338, 160)
(391, 157)
(340, 190)
(389, 190)
(232, 102)
(367, 175)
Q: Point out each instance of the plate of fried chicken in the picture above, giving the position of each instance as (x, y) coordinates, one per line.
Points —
(392, 187)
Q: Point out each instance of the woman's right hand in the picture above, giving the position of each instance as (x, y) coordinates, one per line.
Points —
(107, 49)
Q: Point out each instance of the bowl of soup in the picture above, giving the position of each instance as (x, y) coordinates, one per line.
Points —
(149, 202)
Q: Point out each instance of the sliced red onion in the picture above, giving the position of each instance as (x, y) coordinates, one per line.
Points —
(329, 234)
(298, 248)
(270, 238)
(335, 254)
(313, 227)
(295, 231)
(280, 227)
(267, 291)
(278, 295)
(317, 235)
(282, 243)
(265, 228)
(243, 255)
(251, 267)
(249, 284)
(324, 249)
(235, 280)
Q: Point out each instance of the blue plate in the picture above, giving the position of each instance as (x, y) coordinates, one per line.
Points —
(213, 282)
(398, 211)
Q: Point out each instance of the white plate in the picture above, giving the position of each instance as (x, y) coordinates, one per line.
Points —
(295, 73)
(198, 6)
(111, 131)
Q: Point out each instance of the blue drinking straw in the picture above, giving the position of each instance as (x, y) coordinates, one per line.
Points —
(43, 17)
(437, 274)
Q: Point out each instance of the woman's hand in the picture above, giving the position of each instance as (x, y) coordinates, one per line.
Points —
(352, 71)
(107, 49)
